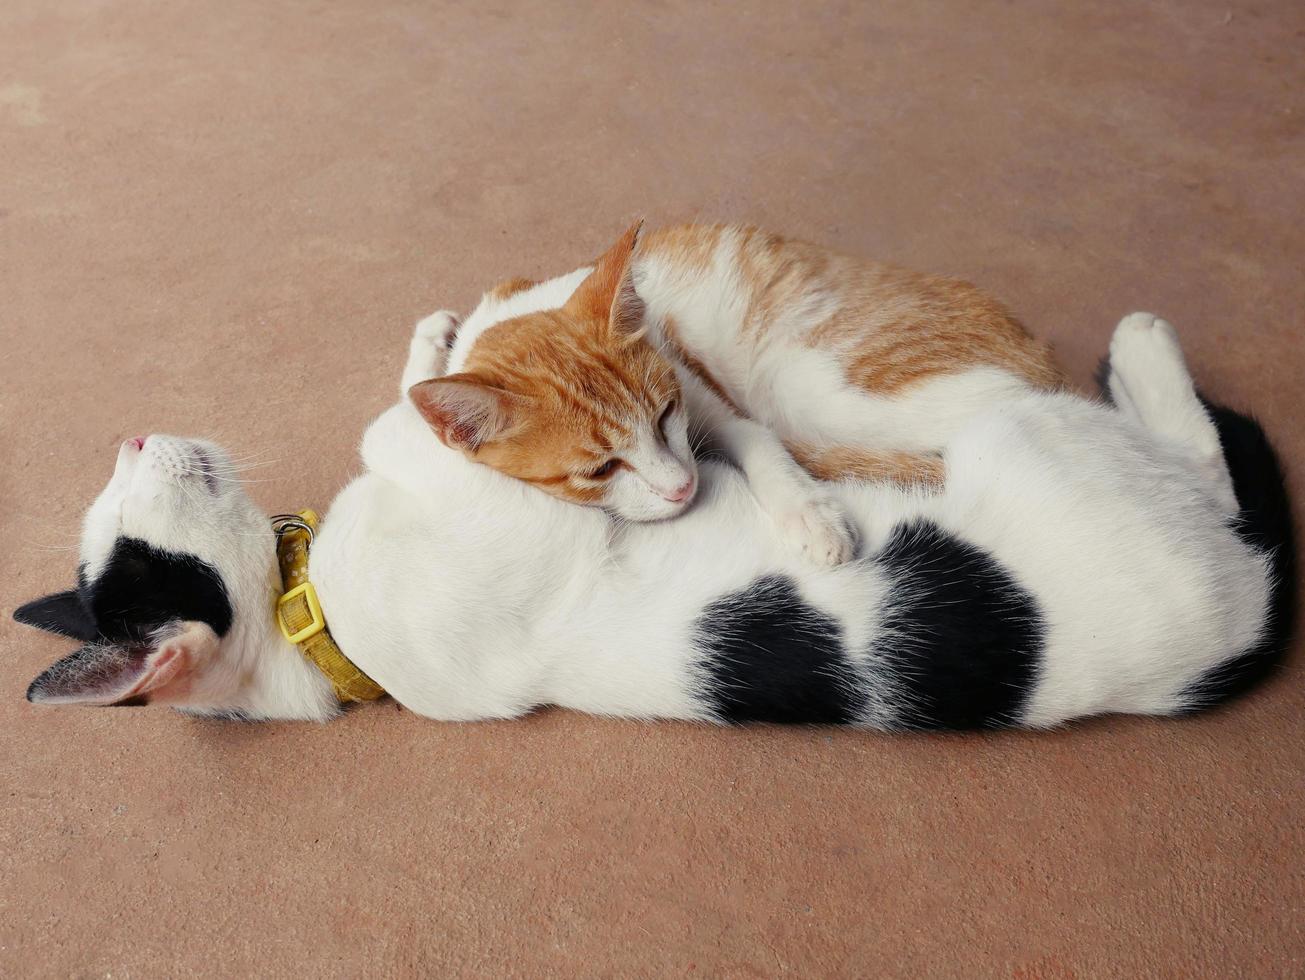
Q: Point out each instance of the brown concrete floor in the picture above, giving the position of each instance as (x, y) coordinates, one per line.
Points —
(223, 218)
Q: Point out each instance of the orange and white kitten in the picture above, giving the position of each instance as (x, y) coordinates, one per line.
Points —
(798, 363)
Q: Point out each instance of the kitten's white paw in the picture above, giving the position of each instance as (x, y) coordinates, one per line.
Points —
(820, 529)
(439, 328)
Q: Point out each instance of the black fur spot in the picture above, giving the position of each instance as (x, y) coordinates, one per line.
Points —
(1264, 523)
(963, 641)
(770, 656)
(141, 588)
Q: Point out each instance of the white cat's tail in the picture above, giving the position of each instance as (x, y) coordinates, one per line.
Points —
(1263, 521)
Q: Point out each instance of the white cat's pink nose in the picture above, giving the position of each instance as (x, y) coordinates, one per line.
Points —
(681, 494)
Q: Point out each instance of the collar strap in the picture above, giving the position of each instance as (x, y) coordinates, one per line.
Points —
(299, 614)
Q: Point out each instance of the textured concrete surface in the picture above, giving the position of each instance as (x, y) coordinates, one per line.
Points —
(223, 218)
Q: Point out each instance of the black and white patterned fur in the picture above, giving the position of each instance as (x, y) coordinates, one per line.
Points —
(1084, 558)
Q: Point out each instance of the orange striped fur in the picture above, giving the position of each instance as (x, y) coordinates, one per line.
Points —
(894, 327)
(576, 384)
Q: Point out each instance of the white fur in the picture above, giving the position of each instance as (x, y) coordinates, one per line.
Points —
(469, 595)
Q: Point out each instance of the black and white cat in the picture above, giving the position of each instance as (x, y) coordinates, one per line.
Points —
(1083, 558)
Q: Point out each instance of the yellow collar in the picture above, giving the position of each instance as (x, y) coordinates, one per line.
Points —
(299, 614)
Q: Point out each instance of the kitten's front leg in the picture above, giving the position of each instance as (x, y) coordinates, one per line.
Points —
(807, 514)
(428, 353)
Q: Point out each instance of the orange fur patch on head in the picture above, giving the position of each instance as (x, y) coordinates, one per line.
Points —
(581, 395)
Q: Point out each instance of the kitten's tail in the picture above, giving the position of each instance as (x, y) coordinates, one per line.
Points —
(871, 465)
(1264, 522)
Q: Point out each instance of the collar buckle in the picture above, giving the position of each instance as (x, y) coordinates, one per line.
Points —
(299, 602)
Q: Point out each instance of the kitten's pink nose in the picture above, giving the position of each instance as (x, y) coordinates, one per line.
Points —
(682, 494)
(138, 442)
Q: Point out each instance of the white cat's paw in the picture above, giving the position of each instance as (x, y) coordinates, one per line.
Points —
(1144, 335)
(428, 351)
(1147, 370)
(820, 529)
(1145, 343)
(439, 328)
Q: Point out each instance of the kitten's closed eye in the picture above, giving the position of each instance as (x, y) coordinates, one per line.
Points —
(606, 470)
(667, 412)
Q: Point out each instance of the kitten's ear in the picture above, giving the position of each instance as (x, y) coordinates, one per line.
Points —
(61, 613)
(465, 411)
(128, 673)
(608, 295)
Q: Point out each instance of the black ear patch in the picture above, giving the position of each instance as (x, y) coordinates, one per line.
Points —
(771, 656)
(142, 587)
(139, 589)
(63, 613)
(966, 640)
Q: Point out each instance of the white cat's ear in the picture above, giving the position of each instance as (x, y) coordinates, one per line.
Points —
(607, 295)
(129, 673)
(465, 411)
(62, 613)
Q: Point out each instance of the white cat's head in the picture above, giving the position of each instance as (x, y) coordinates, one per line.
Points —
(174, 596)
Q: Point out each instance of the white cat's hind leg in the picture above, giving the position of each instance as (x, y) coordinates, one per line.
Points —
(428, 353)
(1149, 382)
